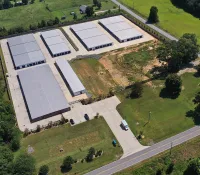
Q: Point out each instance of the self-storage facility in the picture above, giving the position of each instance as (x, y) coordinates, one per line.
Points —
(120, 29)
(42, 93)
(69, 76)
(91, 36)
(54, 43)
(25, 51)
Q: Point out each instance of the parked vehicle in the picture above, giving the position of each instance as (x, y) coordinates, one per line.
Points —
(72, 121)
(86, 117)
(124, 124)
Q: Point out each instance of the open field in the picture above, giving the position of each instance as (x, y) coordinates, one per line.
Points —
(75, 141)
(130, 64)
(168, 116)
(180, 156)
(34, 13)
(175, 21)
(93, 75)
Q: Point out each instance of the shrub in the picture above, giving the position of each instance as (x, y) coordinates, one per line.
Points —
(44, 169)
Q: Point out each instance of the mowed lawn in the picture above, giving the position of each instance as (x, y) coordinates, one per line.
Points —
(94, 76)
(34, 13)
(168, 116)
(180, 156)
(174, 20)
(75, 141)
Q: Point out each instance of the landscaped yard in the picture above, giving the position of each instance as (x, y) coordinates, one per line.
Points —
(175, 21)
(180, 156)
(75, 141)
(34, 13)
(93, 75)
(168, 116)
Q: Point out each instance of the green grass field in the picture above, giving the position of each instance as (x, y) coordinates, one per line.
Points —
(75, 141)
(168, 116)
(180, 155)
(93, 75)
(175, 21)
(34, 13)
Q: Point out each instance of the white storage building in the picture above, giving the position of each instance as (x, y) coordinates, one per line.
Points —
(69, 76)
(25, 51)
(54, 43)
(91, 36)
(42, 93)
(120, 29)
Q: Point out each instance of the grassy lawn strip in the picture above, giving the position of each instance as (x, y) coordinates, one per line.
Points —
(75, 141)
(34, 13)
(180, 156)
(168, 116)
(93, 75)
(175, 21)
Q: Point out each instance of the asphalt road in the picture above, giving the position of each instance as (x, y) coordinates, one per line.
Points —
(144, 21)
(140, 156)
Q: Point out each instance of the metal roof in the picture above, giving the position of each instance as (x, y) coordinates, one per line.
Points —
(70, 76)
(111, 20)
(42, 92)
(20, 39)
(97, 41)
(82, 26)
(59, 48)
(126, 34)
(54, 42)
(28, 58)
(49, 34)
(89, 33)
(120, 28)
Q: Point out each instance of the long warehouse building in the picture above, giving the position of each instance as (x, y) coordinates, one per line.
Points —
(71, 79)
(54, 43)
(91, 36)
(120, 29)
(25, 51)
(42, 93)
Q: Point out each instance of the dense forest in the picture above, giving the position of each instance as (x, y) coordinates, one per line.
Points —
(191, 6)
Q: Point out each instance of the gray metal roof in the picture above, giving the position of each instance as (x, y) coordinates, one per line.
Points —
(70, 76)
(120, 28)
(28, 58)
(49, 34)
(97, 41)
(89, 33)
(54, 42)
(83, 26)
(42, 92)
(59, 48)
(20, 39)
(111, 20)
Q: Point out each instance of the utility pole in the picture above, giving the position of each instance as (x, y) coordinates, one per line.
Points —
(171, 148)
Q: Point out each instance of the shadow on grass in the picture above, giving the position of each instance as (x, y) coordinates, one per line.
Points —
(196, 74)
(64, 169)
(165, 94)
(191, 114)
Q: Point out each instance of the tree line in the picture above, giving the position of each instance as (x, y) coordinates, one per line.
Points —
(191, 6)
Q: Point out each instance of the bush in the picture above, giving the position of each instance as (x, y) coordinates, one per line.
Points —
(38, 129)
(90, 154)
(198, 69)
(44, 169)
(26, 132)
(67, 163)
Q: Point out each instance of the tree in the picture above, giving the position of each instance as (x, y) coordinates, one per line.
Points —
(99, 4)
(6, 158)
(197, 98)
(173, 84)
(90, 154)
(75, 16)
(15, 143)
(6, 4)
(43, 23)
(153, 15)
(24, 164)
(193, 167)
(56, 21)
(170, 168)
(89, 11)
(95, 2)
(198, 69)
(44, 169)
(136, 90)
(67, 163)
(25, 2)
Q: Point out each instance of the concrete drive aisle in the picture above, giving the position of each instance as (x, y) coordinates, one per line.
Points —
(140, 156)
(107, 108)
